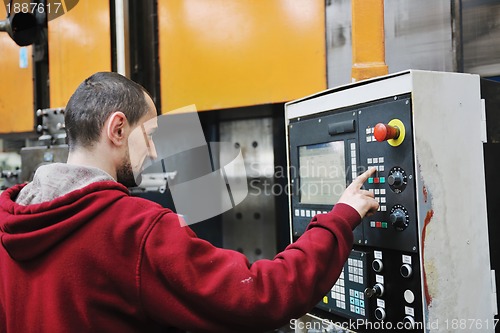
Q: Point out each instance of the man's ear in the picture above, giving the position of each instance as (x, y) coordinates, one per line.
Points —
(116, 129)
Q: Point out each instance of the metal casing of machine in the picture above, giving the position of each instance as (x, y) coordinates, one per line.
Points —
(51, 146)
(422, 261)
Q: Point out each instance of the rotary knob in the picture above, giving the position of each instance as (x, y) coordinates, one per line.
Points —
(399, 218)
(397, 179)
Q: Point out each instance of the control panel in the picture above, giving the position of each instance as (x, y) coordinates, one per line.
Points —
(421, 263)
(381, 279)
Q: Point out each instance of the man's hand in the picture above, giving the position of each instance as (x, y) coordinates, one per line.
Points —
(361, 200)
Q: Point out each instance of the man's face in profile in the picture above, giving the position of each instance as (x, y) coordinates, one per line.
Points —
(140, 147)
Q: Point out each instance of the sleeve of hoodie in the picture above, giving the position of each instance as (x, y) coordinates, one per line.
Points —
(187, 283)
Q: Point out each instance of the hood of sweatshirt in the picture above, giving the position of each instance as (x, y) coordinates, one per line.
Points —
(59, 201)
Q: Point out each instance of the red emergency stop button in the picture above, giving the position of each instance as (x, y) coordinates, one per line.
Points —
(384, 132)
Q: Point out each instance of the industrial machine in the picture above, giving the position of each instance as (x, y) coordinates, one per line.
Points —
(51, 145)
(422, 262)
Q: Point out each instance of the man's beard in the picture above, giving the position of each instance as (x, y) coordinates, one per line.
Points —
(125, 175)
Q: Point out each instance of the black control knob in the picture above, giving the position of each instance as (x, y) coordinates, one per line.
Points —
(395, 179)
(409, 322)
(399, 219)
(406, 271)
(380, 314)
(377, 290)
(377, 265)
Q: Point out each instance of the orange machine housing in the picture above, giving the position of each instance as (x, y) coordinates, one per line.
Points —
(215, 54)
(79, 45)
(230, 53)
(16, 86)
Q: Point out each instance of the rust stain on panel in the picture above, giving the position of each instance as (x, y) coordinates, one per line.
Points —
(428, 217)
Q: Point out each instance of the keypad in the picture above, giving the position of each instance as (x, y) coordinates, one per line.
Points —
(346, 297)
(357, 302)
(355, 270)
(338, 292)
(378, 163)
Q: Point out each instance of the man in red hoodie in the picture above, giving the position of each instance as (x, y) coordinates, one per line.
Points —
(79, 254)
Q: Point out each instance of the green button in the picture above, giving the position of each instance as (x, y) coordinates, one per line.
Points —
(382, 180)
(370, 180)
(384, 225)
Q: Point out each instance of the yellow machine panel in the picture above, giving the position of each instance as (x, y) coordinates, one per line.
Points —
(230, 53)
(368, 39)
(16, 85)
(79, 45)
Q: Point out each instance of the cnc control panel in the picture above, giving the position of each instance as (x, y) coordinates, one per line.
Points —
(422, 261)
(381, 279)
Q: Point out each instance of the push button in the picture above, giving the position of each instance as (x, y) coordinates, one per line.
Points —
(409, 296)
(384, 132)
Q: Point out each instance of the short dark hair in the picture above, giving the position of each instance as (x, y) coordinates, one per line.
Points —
(95, 100)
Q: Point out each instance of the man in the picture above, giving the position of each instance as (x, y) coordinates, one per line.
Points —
(79, 254)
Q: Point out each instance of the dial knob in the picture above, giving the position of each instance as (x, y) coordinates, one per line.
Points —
(395, 179)
(398, 219)
(377, 265)
(380, 314)
(377, 290)
(409, 322)
(406, 271)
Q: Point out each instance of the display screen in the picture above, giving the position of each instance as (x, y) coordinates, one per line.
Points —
(322, 173)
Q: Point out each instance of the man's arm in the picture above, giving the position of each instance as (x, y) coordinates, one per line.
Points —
(188, 283)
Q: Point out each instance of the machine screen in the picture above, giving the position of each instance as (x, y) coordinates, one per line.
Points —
(322, 173)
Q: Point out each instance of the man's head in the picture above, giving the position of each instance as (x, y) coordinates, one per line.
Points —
(100, 117)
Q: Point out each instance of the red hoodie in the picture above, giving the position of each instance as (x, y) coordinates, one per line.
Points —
(99, 260)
